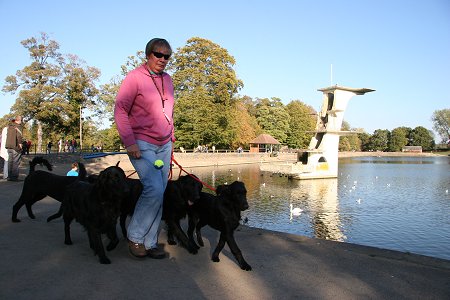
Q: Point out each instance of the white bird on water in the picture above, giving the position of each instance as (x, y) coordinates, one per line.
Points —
(296, 211)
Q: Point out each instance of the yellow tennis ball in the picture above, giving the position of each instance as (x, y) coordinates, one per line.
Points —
(158, 164)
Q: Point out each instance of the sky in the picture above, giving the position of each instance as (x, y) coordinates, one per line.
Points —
(284, 49)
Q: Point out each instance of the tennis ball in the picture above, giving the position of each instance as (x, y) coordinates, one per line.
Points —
(158, 164)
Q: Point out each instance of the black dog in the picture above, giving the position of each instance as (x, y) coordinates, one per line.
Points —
(178, 196)
(96, 206)
(221, 212)
(39, 184)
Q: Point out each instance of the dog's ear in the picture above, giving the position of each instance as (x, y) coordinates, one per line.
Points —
(223, 190)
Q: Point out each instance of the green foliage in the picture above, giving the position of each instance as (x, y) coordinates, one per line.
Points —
(364, 138)
(273, 118)
(208, 111)
(420, 136)
(441, 123)
(350, 142)
(379, 140)
(302, 122)
(205, 84)
(52, 88)
(202, 63)
(399, 138)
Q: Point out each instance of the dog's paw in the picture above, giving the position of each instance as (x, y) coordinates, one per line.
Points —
(171, 242)
(104, 260)
(215, 259)
(246, 267)
(68, 242)
(193, 250)
(15, 220)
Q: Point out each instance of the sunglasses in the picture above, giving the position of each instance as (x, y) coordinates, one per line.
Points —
(159, 55)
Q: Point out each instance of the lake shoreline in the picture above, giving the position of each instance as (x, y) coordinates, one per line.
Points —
(194, 160)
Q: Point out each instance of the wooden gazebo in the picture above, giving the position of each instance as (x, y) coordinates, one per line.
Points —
(264, 143)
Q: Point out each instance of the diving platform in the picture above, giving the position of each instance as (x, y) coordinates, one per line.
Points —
(320, 160)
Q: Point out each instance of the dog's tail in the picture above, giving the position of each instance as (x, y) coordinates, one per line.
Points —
(82, 174)
(39, 160)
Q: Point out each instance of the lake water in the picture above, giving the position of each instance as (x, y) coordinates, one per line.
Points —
(398, 203)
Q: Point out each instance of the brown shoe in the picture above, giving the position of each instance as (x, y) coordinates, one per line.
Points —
(156, 253)
(137, 250)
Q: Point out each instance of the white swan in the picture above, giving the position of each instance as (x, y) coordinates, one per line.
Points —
(296, 211)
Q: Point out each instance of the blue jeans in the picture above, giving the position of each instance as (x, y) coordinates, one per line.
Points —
(144, 225)
(14, 158)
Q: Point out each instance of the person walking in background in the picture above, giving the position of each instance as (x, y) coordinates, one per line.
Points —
(49, 147)
(60, 145)
(28, 146)
(13, 145)
(24, 147)
(143, 113)
(4, 152)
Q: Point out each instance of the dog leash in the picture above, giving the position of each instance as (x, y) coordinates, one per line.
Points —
(183, 170)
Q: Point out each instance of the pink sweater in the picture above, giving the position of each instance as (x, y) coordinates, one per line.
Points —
(138, 109)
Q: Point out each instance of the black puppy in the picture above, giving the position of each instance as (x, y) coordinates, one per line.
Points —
(178, 196)
(39, 184)
(221, 212)
(96, 206)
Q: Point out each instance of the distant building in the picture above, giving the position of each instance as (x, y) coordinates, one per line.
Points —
(264, 143)
(415, 149)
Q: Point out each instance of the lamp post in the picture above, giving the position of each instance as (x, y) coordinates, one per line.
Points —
(81, 129)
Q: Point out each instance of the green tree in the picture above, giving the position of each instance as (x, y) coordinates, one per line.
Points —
(80, 92)
(441, 123)
(420, 136)
(39, 84)
(205, 87)
(379, 140)
(52, 88)
(273, 118)
(351, 141)
(399, 138)
(203, 63)
(301, 124)
(364, 138)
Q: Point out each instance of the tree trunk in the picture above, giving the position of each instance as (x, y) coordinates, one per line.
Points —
(39, 137)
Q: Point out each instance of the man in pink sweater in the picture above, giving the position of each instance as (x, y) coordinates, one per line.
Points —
(144, 118)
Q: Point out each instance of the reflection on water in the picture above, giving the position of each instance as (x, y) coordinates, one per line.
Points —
(394, 203)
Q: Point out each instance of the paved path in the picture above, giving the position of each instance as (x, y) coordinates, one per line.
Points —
(35, 264)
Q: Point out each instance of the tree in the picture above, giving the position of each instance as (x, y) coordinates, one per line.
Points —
(350, 142)
(420, 136)
(205, 87)
(379, 140)
(364, 138)
(273, 118)
(39, 84)
(80, 92)
(247, 127)
(52, 88)
(441, 123)
(301, 124)
(206, 64)
(399, 138)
